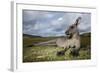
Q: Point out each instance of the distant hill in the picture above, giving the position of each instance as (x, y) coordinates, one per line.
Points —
(27, 35)
(86, 34)
(35, 36)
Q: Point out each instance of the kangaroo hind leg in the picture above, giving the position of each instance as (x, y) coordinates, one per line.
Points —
(74, 52)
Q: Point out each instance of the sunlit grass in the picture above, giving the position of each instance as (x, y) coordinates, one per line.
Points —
(49, 53)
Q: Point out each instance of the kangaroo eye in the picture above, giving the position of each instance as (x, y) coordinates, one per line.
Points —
(72, 27)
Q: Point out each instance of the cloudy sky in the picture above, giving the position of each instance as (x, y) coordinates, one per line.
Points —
(52, 23)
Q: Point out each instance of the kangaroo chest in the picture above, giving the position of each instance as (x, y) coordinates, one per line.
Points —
(73, 43)
(66, 43)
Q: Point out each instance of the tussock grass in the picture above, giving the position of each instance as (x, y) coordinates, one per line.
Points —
(49, 53)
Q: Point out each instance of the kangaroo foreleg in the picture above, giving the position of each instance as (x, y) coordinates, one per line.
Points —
(62, 52)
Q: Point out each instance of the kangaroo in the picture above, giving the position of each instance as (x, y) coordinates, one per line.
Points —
(72, 40)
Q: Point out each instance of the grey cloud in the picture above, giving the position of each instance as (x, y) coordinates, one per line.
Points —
(46, 23)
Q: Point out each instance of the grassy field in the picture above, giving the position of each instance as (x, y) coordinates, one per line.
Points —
(48, 53)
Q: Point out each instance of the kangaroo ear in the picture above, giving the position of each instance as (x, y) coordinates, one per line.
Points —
(78, 21)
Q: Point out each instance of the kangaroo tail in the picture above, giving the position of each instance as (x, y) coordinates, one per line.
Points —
(51, 42)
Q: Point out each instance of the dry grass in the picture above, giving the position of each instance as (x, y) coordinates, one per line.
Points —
(48, 53)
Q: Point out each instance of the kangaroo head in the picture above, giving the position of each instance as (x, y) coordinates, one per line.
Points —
(73, 28)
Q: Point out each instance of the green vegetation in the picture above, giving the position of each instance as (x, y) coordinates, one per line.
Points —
(48, 53)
